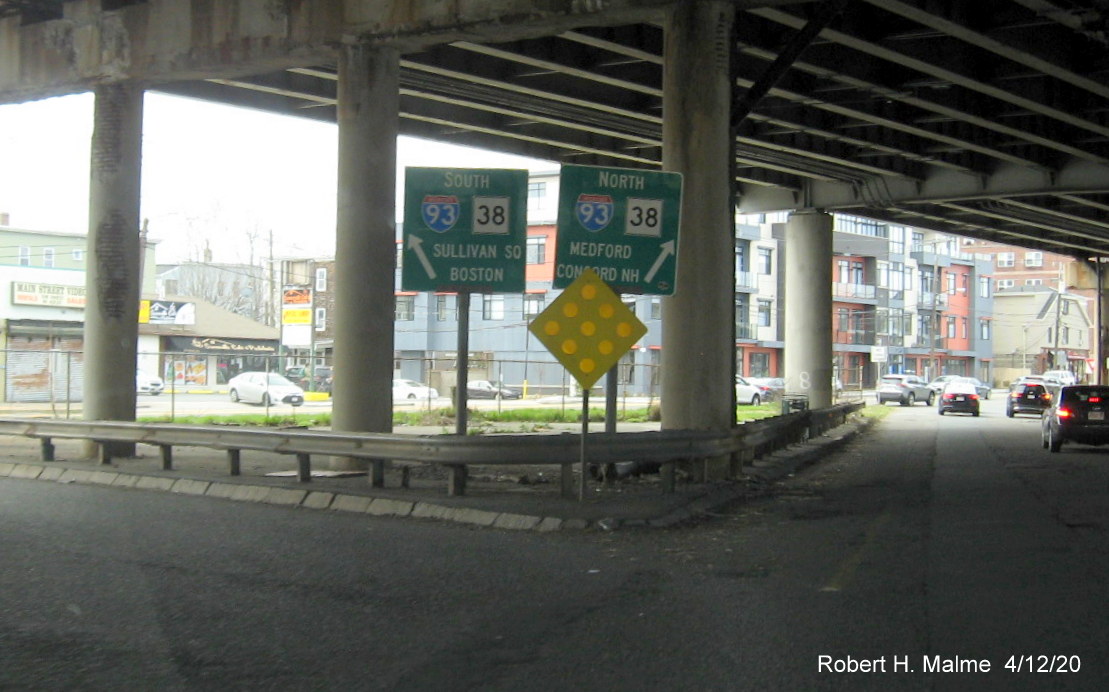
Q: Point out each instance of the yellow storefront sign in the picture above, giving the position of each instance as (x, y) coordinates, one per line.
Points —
(296, 316)
(587, 328)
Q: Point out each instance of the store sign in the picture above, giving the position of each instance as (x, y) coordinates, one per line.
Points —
(166, 312)
(296, 317)
(213, 346)
(48, 295)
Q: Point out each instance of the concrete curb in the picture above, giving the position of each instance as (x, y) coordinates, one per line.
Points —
(775, 467)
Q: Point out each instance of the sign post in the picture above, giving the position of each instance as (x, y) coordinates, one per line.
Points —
(465, 231)
(622, 223)
(587, 329)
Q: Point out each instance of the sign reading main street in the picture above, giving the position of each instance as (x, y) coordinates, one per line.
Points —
(623, 224)
(464, 230)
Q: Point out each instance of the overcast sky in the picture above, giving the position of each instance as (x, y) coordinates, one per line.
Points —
(212, 175)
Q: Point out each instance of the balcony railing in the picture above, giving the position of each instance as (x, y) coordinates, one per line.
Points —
(928, 300)
(864, 291)
(746, 281)
(746, 331)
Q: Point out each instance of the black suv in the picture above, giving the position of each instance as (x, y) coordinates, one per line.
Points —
(1027, 397)
(1080, 413)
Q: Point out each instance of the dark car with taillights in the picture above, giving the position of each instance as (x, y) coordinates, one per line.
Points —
(1028, 397)
(959, 396)
(1079, 413)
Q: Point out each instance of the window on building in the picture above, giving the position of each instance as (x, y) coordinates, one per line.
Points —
(984, 286)
(923, 326)
(442, 308)
(537, 195)
(1033, 282)
(656, 309)
(1002, 284)
(321, 279)
(842, 270)
(1064, 335)
(760, 365)
(537, 250)
(1006, 259)
(405, 308)
(1033, 259)
(898, 277)
(766, 260)
(964, 327)
(24, 256)
(48, 257)
(1065, 305)
(951, 327)
(492, 307)
(984, 330)
(78, 255)
(883, 274)
(926, 281)
(629, 302)
(764, 312)
(897, 240)
(533, 304)
(843, 316)
(321, 319)
(950, 283)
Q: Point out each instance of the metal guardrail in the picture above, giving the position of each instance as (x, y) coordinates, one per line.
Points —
(743, 443)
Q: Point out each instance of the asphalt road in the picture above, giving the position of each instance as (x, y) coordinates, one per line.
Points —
(931, 541)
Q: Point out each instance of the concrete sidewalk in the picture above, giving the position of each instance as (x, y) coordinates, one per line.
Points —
(508, 497)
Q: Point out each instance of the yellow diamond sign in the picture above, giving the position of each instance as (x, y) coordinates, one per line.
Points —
(587, 328)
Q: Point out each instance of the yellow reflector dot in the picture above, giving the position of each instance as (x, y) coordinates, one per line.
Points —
(588, 328)
(606, 311)
(605, 347)
(587, 365)
(569, 347)
(570, 309)
(589, 291)
(552, 328)
(623, 330)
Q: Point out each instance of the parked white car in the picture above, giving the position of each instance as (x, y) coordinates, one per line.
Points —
(148, 384)
(411, 389)
(747, 393)
(265, 388)
(1065, 377)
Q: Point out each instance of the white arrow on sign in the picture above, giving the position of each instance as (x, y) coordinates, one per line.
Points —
(667, 250)
(415, 244)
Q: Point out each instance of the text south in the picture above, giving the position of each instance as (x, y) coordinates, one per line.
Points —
(465, 251)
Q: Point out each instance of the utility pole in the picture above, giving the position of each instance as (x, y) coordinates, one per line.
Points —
(270, 292)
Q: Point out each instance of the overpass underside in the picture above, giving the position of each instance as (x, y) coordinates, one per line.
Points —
(987, 119)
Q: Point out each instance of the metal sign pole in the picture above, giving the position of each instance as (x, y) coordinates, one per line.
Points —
(462, 377)
(584, 434)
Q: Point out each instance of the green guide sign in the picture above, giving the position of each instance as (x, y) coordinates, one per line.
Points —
(621, 223)
(465, 230)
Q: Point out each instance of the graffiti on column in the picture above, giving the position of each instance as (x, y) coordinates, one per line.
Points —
(111, 266)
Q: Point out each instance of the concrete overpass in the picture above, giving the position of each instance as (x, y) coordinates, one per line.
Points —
(987, 119)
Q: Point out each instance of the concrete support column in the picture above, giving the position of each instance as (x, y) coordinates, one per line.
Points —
(113, 281)
(808, 306)
(1101, 352)
(698, 332)
(365, 242)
